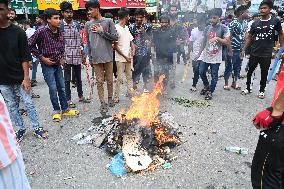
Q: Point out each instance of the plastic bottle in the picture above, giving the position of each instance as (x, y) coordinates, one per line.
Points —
(238, 150)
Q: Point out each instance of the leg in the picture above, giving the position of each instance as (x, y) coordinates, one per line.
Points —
(195, 67)
(253, 62)
(34, 70)
(58, 74)
(78, 76)
(203, 68)
(214, 76)
(237, 65)
(9, 95)
(67, 78)
(228, 69)
(99, 71)
(264, 66)
(49, 77)
(30, 107)
(173, 70)
(108, 67)
(137, 61)
(120, 70)
(128, 73)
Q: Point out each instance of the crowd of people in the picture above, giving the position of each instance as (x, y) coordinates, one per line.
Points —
(63, 46)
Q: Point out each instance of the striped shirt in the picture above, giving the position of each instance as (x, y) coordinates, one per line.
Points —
(8, 144)
(45, 43)
(238, 31)
(73, 43)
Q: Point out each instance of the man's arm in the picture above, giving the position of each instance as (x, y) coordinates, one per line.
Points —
(118, 50)
(33, 42)
(111, 35)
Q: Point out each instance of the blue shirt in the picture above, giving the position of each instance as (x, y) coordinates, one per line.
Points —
(238, 31)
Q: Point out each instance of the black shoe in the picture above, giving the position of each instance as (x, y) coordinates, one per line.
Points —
(20, 134)
(41, 133)
(203, 91)
(33, 83)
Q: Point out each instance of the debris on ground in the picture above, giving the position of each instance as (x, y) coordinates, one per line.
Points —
(117, 165)
(191, 103)
(238, 150)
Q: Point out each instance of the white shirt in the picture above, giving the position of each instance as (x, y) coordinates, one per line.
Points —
(123, 42)
(29, 33)
(197, 39)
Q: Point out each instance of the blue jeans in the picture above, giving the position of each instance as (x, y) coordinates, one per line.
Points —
(203, 68)
(195, 67)
(9, 94)
(142, 67)
(34, 70)
(233, 64)
(53, 76)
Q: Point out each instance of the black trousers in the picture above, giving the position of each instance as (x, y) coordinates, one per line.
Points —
(268, 161)
(67, 77)
(264, 63)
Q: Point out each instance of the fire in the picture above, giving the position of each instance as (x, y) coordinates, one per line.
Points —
(163, 138)
(146, 106)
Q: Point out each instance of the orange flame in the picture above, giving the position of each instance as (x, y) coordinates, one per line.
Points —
(163, 138)
(146, 106)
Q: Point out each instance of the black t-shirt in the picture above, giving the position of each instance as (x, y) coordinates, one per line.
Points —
(263, 36)
(13, 52)
(164, 41)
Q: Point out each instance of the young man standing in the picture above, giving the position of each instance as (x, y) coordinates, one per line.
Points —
(47, 44)
(14, 77)
(73, 56)
(101, 33)
(12, 16)
(261, 36)
(237, 30)
(163, 38)
(123, 54)
(196, 39)
(215, 36)
(141, 60)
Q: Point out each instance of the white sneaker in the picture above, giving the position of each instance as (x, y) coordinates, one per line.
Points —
(261, 95)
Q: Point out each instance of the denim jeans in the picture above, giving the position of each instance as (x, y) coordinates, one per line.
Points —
(142, 67)
(203, 68)
(162, 66)
(53, 76)
(9, 94)
(233, 64)
(76, 70)
(195, 67)
(34, 70)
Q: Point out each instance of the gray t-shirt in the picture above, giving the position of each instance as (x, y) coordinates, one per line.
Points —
(100, 44)
(212, 53)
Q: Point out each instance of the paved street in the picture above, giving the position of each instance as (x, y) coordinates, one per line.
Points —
(58, 163)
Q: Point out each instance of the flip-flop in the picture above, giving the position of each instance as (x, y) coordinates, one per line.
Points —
(85, 100)
(56, 118)
(71, 105)
(71, 113)
(236, 87)
(226, 87)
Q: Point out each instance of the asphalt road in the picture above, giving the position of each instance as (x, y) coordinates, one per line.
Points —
(58, 163)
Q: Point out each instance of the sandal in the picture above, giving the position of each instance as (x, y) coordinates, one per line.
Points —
(111, 103)
(56, 118)
(203, 91)
(71, 104)
(245, 92)
(208, 96)
(236, 87)
(103, 108)
(23, 112)
(35, 95)
(193, 89)
(71, 113)
(226, 87)
(85, 100)
(40, 133)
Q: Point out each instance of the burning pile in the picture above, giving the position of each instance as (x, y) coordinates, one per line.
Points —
(143, 134)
